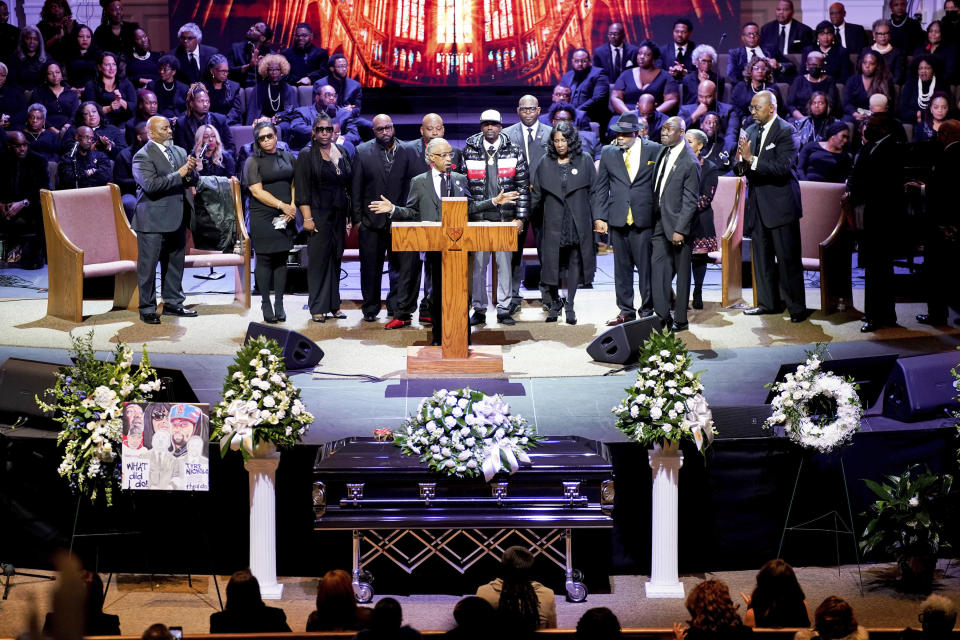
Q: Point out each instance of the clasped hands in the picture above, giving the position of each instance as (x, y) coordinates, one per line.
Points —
(188, 167)
(743, 146)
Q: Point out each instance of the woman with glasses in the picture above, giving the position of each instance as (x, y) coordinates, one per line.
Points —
(273, 95)
(115, 95)
(268, 173)
(894, 59)
(560, 188)
(171, 93)
(323, 173)
(224, 92)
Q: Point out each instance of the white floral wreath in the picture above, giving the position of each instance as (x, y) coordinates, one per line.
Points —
(791, 407)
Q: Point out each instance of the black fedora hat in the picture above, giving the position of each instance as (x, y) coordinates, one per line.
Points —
(626, 123)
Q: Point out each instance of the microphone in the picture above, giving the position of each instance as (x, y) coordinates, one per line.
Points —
(73, 150)
(202, 152)
(720, 42)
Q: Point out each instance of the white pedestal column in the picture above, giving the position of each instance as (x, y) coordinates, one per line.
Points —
(262, 469)
(664, 580)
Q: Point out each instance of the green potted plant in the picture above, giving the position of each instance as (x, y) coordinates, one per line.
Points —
(910, 522)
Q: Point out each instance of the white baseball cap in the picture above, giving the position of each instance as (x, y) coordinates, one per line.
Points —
(491, 115)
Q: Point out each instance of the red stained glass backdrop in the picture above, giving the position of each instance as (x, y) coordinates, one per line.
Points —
(459, 42)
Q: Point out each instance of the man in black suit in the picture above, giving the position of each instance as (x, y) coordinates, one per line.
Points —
(707, 102)
(164, 174)
(308, 62)
(532, 136)
(431, 127)
(382, 167)
(84, 166)
(192, 55)
(617, 55)
(647, 110)
(298, 131)
(198, 114)
(349, 91)
(562, 94)
(424, 205)
(244, 56)
(589, 86)
(785, 35)
(750, 48)
(852, 37)
(623, 203)
(676, 58)
(772, 220)
(675, 193)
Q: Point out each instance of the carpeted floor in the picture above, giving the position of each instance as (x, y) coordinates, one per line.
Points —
(173, 603)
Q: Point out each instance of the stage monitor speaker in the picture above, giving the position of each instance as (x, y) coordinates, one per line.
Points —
(622, 343)
(299, 351)
(921, 387)
(869, 372)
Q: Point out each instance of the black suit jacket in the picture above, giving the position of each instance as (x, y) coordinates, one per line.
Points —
(800, 36)
(424, 205)
(185, 133)
(517, 133)
(306, 63)
(418, 158)
(679, 193)
(613, 192)
(370, 181)
(603, 59)
(670, 55)
(773, 193)
(855, 37)
(738, 60)
(188, 74)
(592, 91)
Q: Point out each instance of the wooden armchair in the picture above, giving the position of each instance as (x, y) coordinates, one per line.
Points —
(87, 236)
(729, 203)
(239, 261)
(822, 248)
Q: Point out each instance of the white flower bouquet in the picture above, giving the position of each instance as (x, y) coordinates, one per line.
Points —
(819, 410)
(666, 402)
(87, 400)
(260, 403)
(464, 433)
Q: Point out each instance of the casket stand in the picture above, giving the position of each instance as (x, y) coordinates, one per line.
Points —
(398, 508)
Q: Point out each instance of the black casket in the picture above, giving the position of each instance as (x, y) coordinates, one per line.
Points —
(383, 497)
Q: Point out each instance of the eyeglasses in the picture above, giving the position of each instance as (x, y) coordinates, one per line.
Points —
(386, 127)
(753, 108)
(323, 129)
(528, 109)
(265, 137)
(448, 154)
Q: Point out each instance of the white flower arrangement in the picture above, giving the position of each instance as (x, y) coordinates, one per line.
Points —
(88, 400)
(666, 403)
(260, 403)
(819, 410)
(464, 433)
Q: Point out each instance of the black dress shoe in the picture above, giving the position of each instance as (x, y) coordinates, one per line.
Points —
(177, 310)
(513, 308)
(800, 317)
(339, 315)
(681, 326)
(150, 318)
(697, 300)
(506, 319)
(926, 318)
(761, 311)
(645, 313)
(868, 327)
(478, 318)
(369, 317)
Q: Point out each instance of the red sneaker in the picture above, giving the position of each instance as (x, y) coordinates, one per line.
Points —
(397, 323)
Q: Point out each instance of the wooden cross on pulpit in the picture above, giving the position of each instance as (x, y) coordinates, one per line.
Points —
(455, 237)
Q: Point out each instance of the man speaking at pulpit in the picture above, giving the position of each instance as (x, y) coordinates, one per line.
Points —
(424, 205)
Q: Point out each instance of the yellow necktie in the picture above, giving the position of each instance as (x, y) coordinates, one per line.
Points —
(630, 160)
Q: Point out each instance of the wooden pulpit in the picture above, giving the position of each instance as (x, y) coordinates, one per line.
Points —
(456, 239)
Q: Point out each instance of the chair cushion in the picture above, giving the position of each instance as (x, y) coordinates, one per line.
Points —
(111, 268)
(86, 218)
(213, 260)
(811, 264)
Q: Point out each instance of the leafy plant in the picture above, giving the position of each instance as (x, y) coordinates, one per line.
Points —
(910, 518)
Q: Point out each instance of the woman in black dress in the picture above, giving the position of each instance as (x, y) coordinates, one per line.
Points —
(58, 28)
(323, 173)
(702, 230)
(560, 188)
(646, 77)
(778, 600)
(108, 138)
(82, 58)
(874, 77)
(836, 58)
(214, 159)
(919, 88)
(813, 80)
(140, 63)
(224, 92)
(936, 114)
(115, 95)
(757, 77)
(42, 141)
(893, 58)
(27, 62)
(273, 94)
(944, 52)
(827, 160)
(60, 101)
(268, 173)
(171, 93)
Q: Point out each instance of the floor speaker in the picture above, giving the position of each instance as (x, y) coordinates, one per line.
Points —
(870, 373)
(299, 351)
(921, 387)
(21, 381)
(622, 343)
